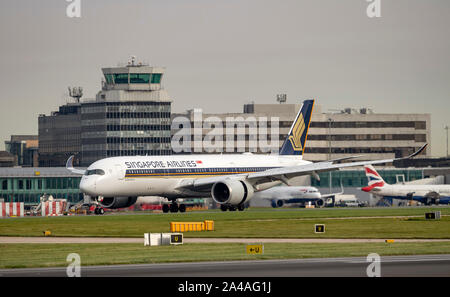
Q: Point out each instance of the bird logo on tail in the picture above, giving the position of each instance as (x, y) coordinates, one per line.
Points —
(294, 144)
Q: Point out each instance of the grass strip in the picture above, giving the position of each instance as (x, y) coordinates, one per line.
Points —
(265, 224)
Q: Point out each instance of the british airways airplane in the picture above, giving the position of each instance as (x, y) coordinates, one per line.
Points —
(230, 179)
(426, 194)
(297, 196)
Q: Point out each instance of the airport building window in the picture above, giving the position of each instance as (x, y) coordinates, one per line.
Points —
(156, 78)
(420, 137)
(137, 115)
(109, 79)
(139, 78)
(386, 124)
(52, 183)
(121, 78)
(75, 183)
(420, 125)
(5, 184)
(365, 137)
(399, 151)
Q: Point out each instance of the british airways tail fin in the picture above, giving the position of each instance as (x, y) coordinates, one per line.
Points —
(374, 178)
(295, 142)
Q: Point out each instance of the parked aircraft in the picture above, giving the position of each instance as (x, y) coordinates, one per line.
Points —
(426, 194)
(280, 196)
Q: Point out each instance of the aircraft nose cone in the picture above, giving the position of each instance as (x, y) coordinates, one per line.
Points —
(87, 186)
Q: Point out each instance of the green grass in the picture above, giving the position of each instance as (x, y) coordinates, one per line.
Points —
(253, 223)
(50, 255)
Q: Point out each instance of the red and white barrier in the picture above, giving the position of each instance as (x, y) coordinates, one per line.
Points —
(9, 209)
(53, 208)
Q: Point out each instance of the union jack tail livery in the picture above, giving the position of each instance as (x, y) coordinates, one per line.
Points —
(295, 142)
(374, 178)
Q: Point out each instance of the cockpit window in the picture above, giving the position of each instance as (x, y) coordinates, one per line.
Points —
(95, 171)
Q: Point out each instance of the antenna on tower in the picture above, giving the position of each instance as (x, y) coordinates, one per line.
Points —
(76, 93)
(281, 98)
(132, 61)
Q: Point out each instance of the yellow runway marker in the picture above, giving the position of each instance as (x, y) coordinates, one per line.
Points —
(255, 249)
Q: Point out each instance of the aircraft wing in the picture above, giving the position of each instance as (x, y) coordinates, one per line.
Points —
(285, 173)
(69, 166)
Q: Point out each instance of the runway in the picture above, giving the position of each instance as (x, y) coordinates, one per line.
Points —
(390, 266)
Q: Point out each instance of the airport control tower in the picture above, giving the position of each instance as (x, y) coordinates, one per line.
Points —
(133, 82)
(129, 116)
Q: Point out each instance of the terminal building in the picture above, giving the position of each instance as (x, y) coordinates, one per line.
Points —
(331, 135)
(129, 116)
(29, 184)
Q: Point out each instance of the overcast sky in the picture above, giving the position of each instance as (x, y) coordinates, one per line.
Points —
(220, 54)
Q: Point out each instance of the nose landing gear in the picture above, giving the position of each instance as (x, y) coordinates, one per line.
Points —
(99, 211)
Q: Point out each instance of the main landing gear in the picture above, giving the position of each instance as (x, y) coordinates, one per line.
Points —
(99, 210)
(174, 207)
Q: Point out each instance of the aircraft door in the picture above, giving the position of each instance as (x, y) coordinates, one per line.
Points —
(120, 172)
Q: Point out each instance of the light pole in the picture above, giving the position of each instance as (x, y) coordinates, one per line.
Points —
(329, 147)
(446, 128)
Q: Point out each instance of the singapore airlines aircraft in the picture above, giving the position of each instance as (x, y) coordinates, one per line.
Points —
(426, 194)
(230, 179)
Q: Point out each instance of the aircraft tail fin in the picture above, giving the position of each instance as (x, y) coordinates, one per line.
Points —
(294, 144)
(374, 178)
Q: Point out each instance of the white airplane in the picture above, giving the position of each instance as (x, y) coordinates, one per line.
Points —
(230, 179)
(279, 196)
(426, 194)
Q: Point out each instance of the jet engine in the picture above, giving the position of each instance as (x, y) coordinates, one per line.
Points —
(118, 202)
(277, 203)
(320, 203)
(432, 198)
(232, 192)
